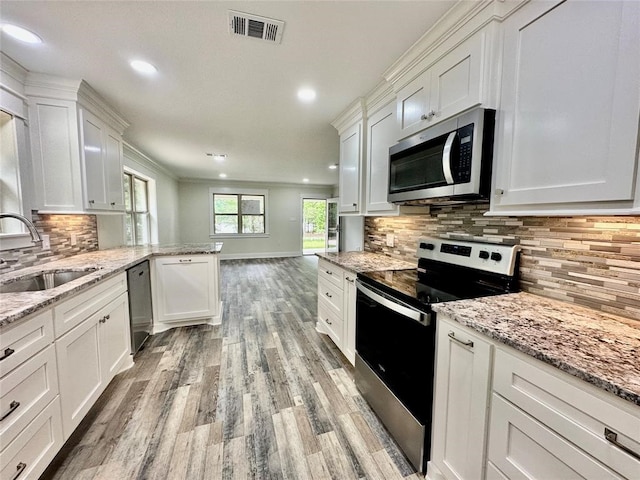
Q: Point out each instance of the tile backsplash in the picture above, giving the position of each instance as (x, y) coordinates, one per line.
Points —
(59, 228)
(591, 261)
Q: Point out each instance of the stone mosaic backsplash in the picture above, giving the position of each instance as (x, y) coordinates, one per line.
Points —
(591, 261)
(59, 228)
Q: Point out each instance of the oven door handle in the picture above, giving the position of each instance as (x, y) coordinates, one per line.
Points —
(446, 158)
(393, 304)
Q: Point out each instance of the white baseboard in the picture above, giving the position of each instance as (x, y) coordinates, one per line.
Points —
(248, 256)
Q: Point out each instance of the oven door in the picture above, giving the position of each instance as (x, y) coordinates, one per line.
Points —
(395, 346)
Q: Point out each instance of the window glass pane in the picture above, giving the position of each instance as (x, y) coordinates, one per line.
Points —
(252, 204)
(142, 228)
(140, 194)
(252, 224)
(226, 224)
(225, 203)
(127, 192)
(128, 228)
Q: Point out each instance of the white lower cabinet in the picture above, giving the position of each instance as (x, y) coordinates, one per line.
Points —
(461, 400)
(544, 424)
(101, 345)
(30, 453)
(337, 307)
(185, 288)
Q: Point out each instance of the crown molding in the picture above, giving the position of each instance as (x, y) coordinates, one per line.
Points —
(138, 156)
(379, 97)
(351, 115)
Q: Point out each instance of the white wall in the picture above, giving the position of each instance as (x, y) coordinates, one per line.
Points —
(284, 217)
(110, 227)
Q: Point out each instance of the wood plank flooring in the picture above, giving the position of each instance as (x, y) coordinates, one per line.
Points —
(263, 396)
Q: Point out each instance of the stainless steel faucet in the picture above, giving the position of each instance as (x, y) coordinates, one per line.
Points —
(35, 236)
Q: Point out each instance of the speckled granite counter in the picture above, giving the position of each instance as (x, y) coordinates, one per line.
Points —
(357, 262)
(14, 306)
(601, 349)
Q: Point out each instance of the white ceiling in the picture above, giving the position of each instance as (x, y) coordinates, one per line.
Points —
(220, 93)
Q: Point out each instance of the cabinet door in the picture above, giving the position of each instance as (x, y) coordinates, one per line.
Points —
(460, 402)
(79, 371)
(568, 124)
(93, 152)
(115, 341)
(350, 157)
(456, 80)
(522, 448)
(382, 134)
(114, 170)
(413, 106)
(185, 288)
(349, 317)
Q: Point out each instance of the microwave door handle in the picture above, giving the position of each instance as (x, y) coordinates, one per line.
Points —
(446, 158)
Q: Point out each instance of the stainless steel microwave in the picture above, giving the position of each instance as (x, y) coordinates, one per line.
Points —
(451, 160)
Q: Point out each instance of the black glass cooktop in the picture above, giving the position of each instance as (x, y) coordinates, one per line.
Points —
(422, 289)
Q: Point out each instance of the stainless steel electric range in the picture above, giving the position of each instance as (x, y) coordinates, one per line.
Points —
(395, 329)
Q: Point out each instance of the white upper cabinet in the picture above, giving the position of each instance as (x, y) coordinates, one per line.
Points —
(382, 133)
(567, 126)
(76, 145)
(451, 85)
(350, 173)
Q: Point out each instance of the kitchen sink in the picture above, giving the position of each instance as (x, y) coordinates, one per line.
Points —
(43, 281)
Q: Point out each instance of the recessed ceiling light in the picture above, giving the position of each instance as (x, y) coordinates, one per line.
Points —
(306, 95)
(21, 34)
(305, 180)
(143, 67)
(333, 166)
(223, 175)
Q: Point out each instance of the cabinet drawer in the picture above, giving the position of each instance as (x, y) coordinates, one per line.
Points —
(523, 448)
(20, 341)
(330, 293)
(572, 408)
(331, 321)
(35, 447)
(330, 272)
(25, 392)
(73, 311)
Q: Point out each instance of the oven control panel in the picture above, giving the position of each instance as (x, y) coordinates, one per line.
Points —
(490, 257)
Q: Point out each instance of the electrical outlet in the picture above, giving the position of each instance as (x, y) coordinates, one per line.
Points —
(46, 242)
(74, 239)
(390, 239)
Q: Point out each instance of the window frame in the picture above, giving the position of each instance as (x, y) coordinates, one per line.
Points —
(238, 192)
(133, 212)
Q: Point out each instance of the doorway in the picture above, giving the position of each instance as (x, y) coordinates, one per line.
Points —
(314, 225)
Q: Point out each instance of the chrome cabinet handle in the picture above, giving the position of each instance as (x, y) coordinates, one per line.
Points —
(428, 116)
(185, 260)
(355, 204)
(328, 321)
(12, 408)
(104, 319)
(468, 343)
(350, 280)
(7, 353)
(19, 469)
(107, 317)
(328, 294)
(113, 204)
(612, 437)
(328, 272)
(92, 202)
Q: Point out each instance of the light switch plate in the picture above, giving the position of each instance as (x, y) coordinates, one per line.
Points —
(390, 239)
(46, 242)
(73, 239)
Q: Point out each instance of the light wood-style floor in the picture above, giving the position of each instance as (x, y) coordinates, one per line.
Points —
(262, 396)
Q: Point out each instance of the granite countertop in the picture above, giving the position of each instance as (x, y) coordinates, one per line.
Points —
(597, 347)
(358, 262)
(14, 306)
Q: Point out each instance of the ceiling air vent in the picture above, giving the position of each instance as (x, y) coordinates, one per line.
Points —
(254, 26)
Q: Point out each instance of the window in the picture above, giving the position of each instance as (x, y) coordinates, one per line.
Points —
(136, 204)
(238, 214)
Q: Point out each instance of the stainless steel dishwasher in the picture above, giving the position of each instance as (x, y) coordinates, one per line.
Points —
(140, 308)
